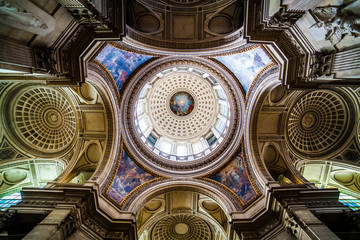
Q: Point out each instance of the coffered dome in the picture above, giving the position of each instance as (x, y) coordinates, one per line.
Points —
(317, 122)
(185, 112)
(182, 227)
(41, 119)
(182, 114)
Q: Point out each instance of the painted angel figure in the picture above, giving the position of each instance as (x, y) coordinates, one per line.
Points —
(337, 21)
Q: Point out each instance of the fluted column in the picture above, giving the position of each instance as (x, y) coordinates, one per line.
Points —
(347, 63)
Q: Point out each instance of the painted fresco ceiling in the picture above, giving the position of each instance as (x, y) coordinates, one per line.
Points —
(129, 176)
(246, 65)
(235, 177)
(119, 63)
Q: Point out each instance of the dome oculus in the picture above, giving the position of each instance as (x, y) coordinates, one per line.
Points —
(181, 103)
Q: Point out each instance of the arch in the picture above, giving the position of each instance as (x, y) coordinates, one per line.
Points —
(28, 173)
(226, 201)
(110, 95)
(255, 98)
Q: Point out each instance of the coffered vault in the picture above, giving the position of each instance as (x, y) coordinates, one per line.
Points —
(179, 119)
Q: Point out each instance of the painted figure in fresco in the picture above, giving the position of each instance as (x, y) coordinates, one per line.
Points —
(246, 65)
(122, 76)
(128, 177)
(181, 103)
(234, 177)
(338, 22)
(119, 63)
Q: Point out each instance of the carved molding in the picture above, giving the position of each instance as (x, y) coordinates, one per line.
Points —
(284, 18)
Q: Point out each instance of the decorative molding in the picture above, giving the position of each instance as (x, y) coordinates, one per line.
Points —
(284, 18)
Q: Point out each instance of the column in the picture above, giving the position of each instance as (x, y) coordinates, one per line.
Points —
(59, 224)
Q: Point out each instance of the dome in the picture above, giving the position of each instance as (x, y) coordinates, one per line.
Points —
(181, 114)
(42, 119)
(317, 121)
(182, 227)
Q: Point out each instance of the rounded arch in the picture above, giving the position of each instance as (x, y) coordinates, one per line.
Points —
(28, 173)
(98, 107)
(331, 174)
(226, 200)
(268, 125)
(110, 96)
(255, 98)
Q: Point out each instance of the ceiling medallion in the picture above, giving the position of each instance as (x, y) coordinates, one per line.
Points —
(309, 120)
(181, 103)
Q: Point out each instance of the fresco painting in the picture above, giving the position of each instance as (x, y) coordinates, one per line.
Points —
(128, 177)
(181, 103)
(246, 65)
(234, 177)
(120, 63)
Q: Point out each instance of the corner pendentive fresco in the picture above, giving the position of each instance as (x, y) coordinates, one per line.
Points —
(119, 63)
(235, 178)
(246, 65)
(128, 177)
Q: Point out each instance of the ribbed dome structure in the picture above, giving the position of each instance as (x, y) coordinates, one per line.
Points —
(44, 119)
(181, 227)
(317, 121)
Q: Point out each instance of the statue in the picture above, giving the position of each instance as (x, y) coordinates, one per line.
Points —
(337, 21)
(12, 11)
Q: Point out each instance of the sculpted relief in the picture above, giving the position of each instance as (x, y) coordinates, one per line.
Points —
(26, 16)
(337, 22)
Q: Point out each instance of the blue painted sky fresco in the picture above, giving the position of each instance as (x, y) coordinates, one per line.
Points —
(246, 65)
(120, 63)
(128, 177)
(234, 177)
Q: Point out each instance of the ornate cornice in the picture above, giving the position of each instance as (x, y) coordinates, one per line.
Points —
(84, 210)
